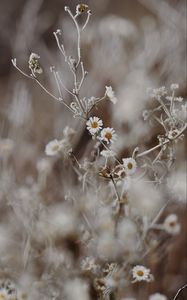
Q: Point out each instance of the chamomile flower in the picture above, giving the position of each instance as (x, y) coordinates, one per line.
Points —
(94, 125)
(53, 147)
(141, 273)
(110, 94)
(171, 224)
(129, 165)
(157, 296)
(108, 135)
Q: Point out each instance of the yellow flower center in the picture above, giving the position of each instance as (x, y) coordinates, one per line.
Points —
(130, 166)
(55, 148)
(172, 224)
(108, 135)
(140, 273)
(94, 124)
(82, 7)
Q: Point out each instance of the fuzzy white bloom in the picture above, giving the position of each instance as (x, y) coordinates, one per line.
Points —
(127, 234)
(177, 185)
(53, 147)
(43, 165)
(141, 273)
(145, 199)
(107, 246)
(76, 289)
(157, 93)
(174, 86)
(108, 135)
(129, 165)
(107, 153)
(34, 63)
(157, 296)
(171, 224)
(68, 132)
(110, 94)
(94, 125)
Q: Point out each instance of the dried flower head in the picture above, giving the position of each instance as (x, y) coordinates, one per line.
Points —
(34, 65)
(81, 8)
(108, 135)
(94, 125)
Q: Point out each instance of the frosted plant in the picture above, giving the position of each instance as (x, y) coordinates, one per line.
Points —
(96, 238)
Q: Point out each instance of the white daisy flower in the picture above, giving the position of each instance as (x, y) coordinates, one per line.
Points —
(110, 94)
(174, 86)
(171, 224)
(94, 124)
(53, 147)
(107, 153)
(108, 135)
(157, 296)
(129, 165)
(141, 273)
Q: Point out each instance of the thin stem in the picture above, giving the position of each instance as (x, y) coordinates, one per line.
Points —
(109, 150)
(164, 143)
(60, 46)
(179, 291)
(41, 85)
(164, 107)
(78, 36)
(87, 19)
(158, 155)
(57, 82)
(62, 84)
(83, 76)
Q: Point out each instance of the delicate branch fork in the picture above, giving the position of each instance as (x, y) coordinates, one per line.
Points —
(73, 65)
(162, 144)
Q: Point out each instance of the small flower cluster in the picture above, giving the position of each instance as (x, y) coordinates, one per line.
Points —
(100, 228)
(94, 126)
(34, 65)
